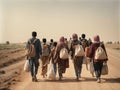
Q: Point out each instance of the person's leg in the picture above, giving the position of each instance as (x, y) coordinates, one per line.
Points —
(36, 65)
(31, 68)
(55, 67)
(44, 66)
(97, 71)
(76, 69)
(59, 72)
(80, 65)
(100, 69)
(60, 75)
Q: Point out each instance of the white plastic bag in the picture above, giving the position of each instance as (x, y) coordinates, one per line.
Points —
(100, 54)
(92, 68)
(26, 66)
(51, 74)
(85, 61)
(79, 51)
(64, 53)
(104, 69)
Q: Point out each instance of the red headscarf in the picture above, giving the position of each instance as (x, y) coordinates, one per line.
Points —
(97, 39)
(62, 39)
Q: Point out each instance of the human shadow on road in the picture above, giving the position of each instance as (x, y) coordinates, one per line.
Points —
(111, 80)
(83, 79)
(68, 80)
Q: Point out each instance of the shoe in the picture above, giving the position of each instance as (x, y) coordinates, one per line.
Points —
(60, 78)
(98, 80)
(77, 78)
(35, 79)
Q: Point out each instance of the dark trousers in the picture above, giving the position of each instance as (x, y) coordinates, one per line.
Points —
(34, 64)
(78, 65)
(55, 67)
(98, 68)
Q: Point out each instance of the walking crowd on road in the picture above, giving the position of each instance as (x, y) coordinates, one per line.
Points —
(57, 55)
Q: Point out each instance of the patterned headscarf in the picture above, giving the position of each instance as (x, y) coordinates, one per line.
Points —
(62, 40)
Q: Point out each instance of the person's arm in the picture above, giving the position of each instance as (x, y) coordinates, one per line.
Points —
(27, 46)
(51, 54)
(55, 56)
(91, 53)
(40, 48)
(71, 50)
(49, 48)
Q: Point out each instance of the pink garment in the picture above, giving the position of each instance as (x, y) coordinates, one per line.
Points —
(96, 39)
(62, 39)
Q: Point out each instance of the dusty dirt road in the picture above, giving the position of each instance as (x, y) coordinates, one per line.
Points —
(11, 63)
(87, 82)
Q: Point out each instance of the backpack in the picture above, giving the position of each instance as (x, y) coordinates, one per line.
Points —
(79, 51)
(45, 50)
(64, 53)
(100, 53)
(31, 52)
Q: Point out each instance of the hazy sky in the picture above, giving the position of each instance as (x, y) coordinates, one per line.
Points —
(56, 18)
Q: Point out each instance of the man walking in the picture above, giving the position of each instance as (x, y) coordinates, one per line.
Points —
(34, 59)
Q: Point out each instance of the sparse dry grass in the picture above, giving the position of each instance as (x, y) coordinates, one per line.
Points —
(11, 46)
(113, 46)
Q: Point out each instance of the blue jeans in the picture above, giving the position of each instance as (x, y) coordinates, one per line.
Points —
(34, 64)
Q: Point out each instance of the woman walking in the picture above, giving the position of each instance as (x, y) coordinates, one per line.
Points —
(51, 57)
(97, 63)
(78, 60)
(61, 62)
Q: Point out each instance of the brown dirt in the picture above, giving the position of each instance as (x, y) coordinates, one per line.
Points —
(16, 79)
(11, 60)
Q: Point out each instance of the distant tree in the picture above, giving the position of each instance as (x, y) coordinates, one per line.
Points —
(7, 42)
(118, 42)
(109, 42)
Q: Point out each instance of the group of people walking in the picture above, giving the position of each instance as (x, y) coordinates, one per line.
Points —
(54, 53)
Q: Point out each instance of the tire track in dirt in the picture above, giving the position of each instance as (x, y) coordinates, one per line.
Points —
(11, 57)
